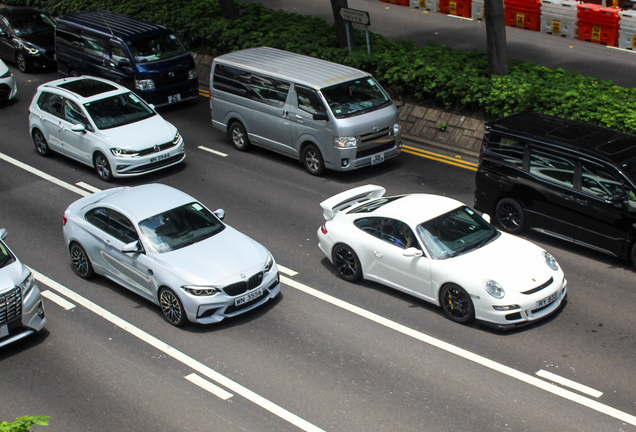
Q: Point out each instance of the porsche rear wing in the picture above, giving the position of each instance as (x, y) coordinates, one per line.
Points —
(350, 198)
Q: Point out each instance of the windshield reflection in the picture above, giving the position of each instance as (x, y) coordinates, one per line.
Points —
(355, 97)
(118, 110)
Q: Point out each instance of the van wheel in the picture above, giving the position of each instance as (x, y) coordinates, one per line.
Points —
(509, 215)
(312, 160)
(633, 255)
(238, 136)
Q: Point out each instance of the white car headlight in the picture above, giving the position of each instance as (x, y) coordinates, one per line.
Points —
(345, 142)
(177, 138)
(27, 286)
(494, 289)
(145, 84)
(550, 261)
(201, 291)
(118, 152)
(270, 263)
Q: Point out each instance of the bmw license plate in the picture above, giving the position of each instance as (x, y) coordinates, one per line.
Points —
(549, 299)
(248, 297)
(160, 157)
(377, 158)
(4, 330)
(174, 98)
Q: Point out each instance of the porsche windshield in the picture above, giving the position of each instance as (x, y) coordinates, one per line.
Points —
(456, 232)
(118, 110)
(355, 97)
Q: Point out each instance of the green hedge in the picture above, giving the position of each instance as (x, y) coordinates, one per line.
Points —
(456, 79)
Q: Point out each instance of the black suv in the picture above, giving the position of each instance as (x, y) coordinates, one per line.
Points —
(561, 177)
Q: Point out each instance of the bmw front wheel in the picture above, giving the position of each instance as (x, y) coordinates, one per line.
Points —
(172, 307)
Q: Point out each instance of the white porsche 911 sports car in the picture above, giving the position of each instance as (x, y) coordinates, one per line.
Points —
(437, 249)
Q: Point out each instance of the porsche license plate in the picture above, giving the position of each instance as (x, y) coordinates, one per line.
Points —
(160, 157)
(377, 158)
(248, 297)
(174, 98)
(549, 299)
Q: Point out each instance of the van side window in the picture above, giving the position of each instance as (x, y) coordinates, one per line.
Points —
(598, 181)
(117, 51)
(308, 100)
(94, 45)
(556, 169)
(506, 150)
(68, 39)
(269, 90)
(250, 85)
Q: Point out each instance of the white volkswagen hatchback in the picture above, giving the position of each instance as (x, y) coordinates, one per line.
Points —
(167, 247)
(439, 250)
(103, 125)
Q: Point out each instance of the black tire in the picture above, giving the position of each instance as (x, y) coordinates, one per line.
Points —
(21, 62)
(633, 254)
(509, 215)
(313, 161)
(347, 263)
(456, 304)
(81, 262)
(238, 136)
(102, 167)
(41, 146)
(172, 307)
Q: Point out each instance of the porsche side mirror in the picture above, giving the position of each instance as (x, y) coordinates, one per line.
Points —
(220, 213)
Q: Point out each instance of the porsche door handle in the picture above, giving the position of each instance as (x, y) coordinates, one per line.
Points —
(378, 254)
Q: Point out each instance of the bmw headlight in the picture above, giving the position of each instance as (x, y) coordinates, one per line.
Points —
(176, 139)
(345, 142)
(494, 289)
(145, 84)
(550, 261)
(201, 291)
(32, 51)
(27, 286)
(270, 263)
(119, 152)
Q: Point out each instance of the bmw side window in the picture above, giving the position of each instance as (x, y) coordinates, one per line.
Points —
(371, 226)
(308, 100)
(74, 115)
(99, 218)
(507, 150)
(556, 169)
(121, 228)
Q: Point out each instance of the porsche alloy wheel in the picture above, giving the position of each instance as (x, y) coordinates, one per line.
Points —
(457, 304)
(347, 263)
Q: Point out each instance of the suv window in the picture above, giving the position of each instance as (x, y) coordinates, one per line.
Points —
(556, 169)
(506, 150)
(74, 114)
(51, 103)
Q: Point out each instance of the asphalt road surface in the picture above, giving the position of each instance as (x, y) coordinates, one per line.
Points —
(327, 355)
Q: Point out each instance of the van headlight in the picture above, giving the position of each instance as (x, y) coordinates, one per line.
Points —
(192, 74)
(27, 286)
(345, 142)
(201, 291)
(397, 128)
(145, 84)
(124, 153)
(494, 289)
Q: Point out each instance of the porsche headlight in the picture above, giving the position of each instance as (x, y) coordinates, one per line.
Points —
(270, 263)
(27, 286)
(494, 289)
(201, 291)
(550, 261)
(119, 152)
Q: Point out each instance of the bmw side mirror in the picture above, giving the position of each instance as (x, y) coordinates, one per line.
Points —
(321, 115)
(412, 252)
(134, 247)
(219, 213)
(78, 128)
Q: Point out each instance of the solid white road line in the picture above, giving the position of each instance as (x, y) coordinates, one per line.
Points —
(569, 383)
(287, 271)
(44, 175)
(179, 356)
(57, 299)
(218, 153)
(506, 370)
(88, 187)
(207, 385)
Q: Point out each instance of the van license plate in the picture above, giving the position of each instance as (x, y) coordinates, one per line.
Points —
(248, 297)
(174, 98)
(4, 330)
(378, 158)
(160, 157)
(549, 299)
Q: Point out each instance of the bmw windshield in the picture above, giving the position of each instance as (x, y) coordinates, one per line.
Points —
(118, 110)
(179, 227)
(355, 97)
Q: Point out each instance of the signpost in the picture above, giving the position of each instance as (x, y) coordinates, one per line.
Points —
(358, 17)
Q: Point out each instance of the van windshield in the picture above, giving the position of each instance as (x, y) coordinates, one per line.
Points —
(355, 97)
(154, 48)
(118, 110)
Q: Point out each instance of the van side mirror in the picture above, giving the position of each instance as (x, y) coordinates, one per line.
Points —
(617, 198)
(321, 115)
(122, 62)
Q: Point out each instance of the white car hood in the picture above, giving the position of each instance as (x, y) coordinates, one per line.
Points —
(140, 135)
(218, 260)
(12, 275)
(515, 263)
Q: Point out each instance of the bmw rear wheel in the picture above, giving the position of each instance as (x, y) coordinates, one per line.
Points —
(172, 307)
(509, 216)
(81, 263)
(347, 263)
(456, 304)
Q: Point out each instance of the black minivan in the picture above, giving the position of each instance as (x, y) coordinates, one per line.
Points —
(561, 177)
(147, 58)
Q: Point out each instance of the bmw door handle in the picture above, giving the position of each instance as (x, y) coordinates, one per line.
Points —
(378, 254)
(108, 243)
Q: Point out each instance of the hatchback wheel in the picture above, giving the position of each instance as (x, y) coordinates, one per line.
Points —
(457, 304)
(21, 61)
(40, 143)
(238, 136)
(312, 160)
(347, 263)
(509, 215)
(102, 166)
(81, 263)
(172, 307)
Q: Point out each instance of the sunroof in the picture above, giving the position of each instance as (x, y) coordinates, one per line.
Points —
(87, 87)
(617, 146)
(572, 132)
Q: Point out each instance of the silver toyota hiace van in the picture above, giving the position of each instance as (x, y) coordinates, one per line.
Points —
(325, 114)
